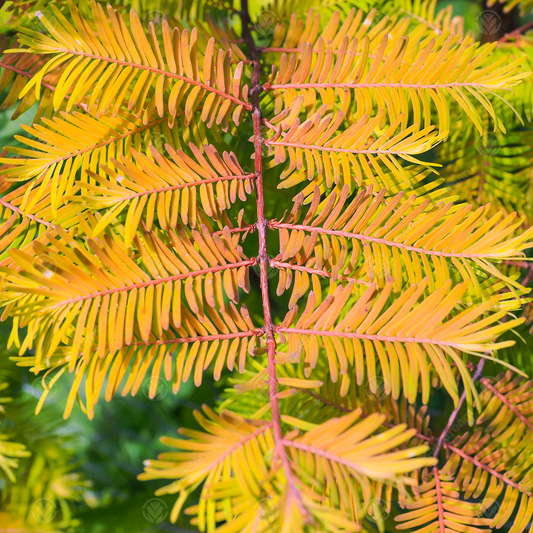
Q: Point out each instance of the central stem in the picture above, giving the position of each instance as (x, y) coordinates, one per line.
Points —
(263, 260)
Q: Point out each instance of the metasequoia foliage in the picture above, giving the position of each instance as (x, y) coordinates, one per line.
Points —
(146, 236)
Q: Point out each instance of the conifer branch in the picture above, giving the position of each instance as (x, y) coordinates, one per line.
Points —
(488, 469)
(261, 226)
(442, 437)
(315, 271)
(486, 383)
(377, 240)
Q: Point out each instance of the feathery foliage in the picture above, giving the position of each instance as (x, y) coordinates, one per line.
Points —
(143, 237)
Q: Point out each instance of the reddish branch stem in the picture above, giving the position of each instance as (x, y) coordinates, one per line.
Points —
(517, 32)
(167, 279)
(377, 85)
(185, 185)
(24, 73)
(367, 238)
(109, 141)
(16, 209)
(453, 416)
(316, 271)
(488, 469)
(332, 149)
(318, 452)
(440, 506)
(366, 336)
(204, 338)
(235, 447)
(262, 225)
(485, 382)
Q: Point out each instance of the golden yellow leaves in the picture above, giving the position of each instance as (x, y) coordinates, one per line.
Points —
(373, 333)
(326, 455)
(129, 68)
(97, 300)
(407, 76)
(319, 154)
(167, 190)
(372, 238)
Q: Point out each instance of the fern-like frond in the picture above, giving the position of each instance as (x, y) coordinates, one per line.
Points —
(437, 506)
(168, 191)
(318, 153)
(109, 300)
(348, 450)
(78, 150)
(370, 238)
(17, 68)
(19, 231)
(361, 332)
(407, 78)
(239, 442)
(498, 449)
(345, 395)
(131, 68)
